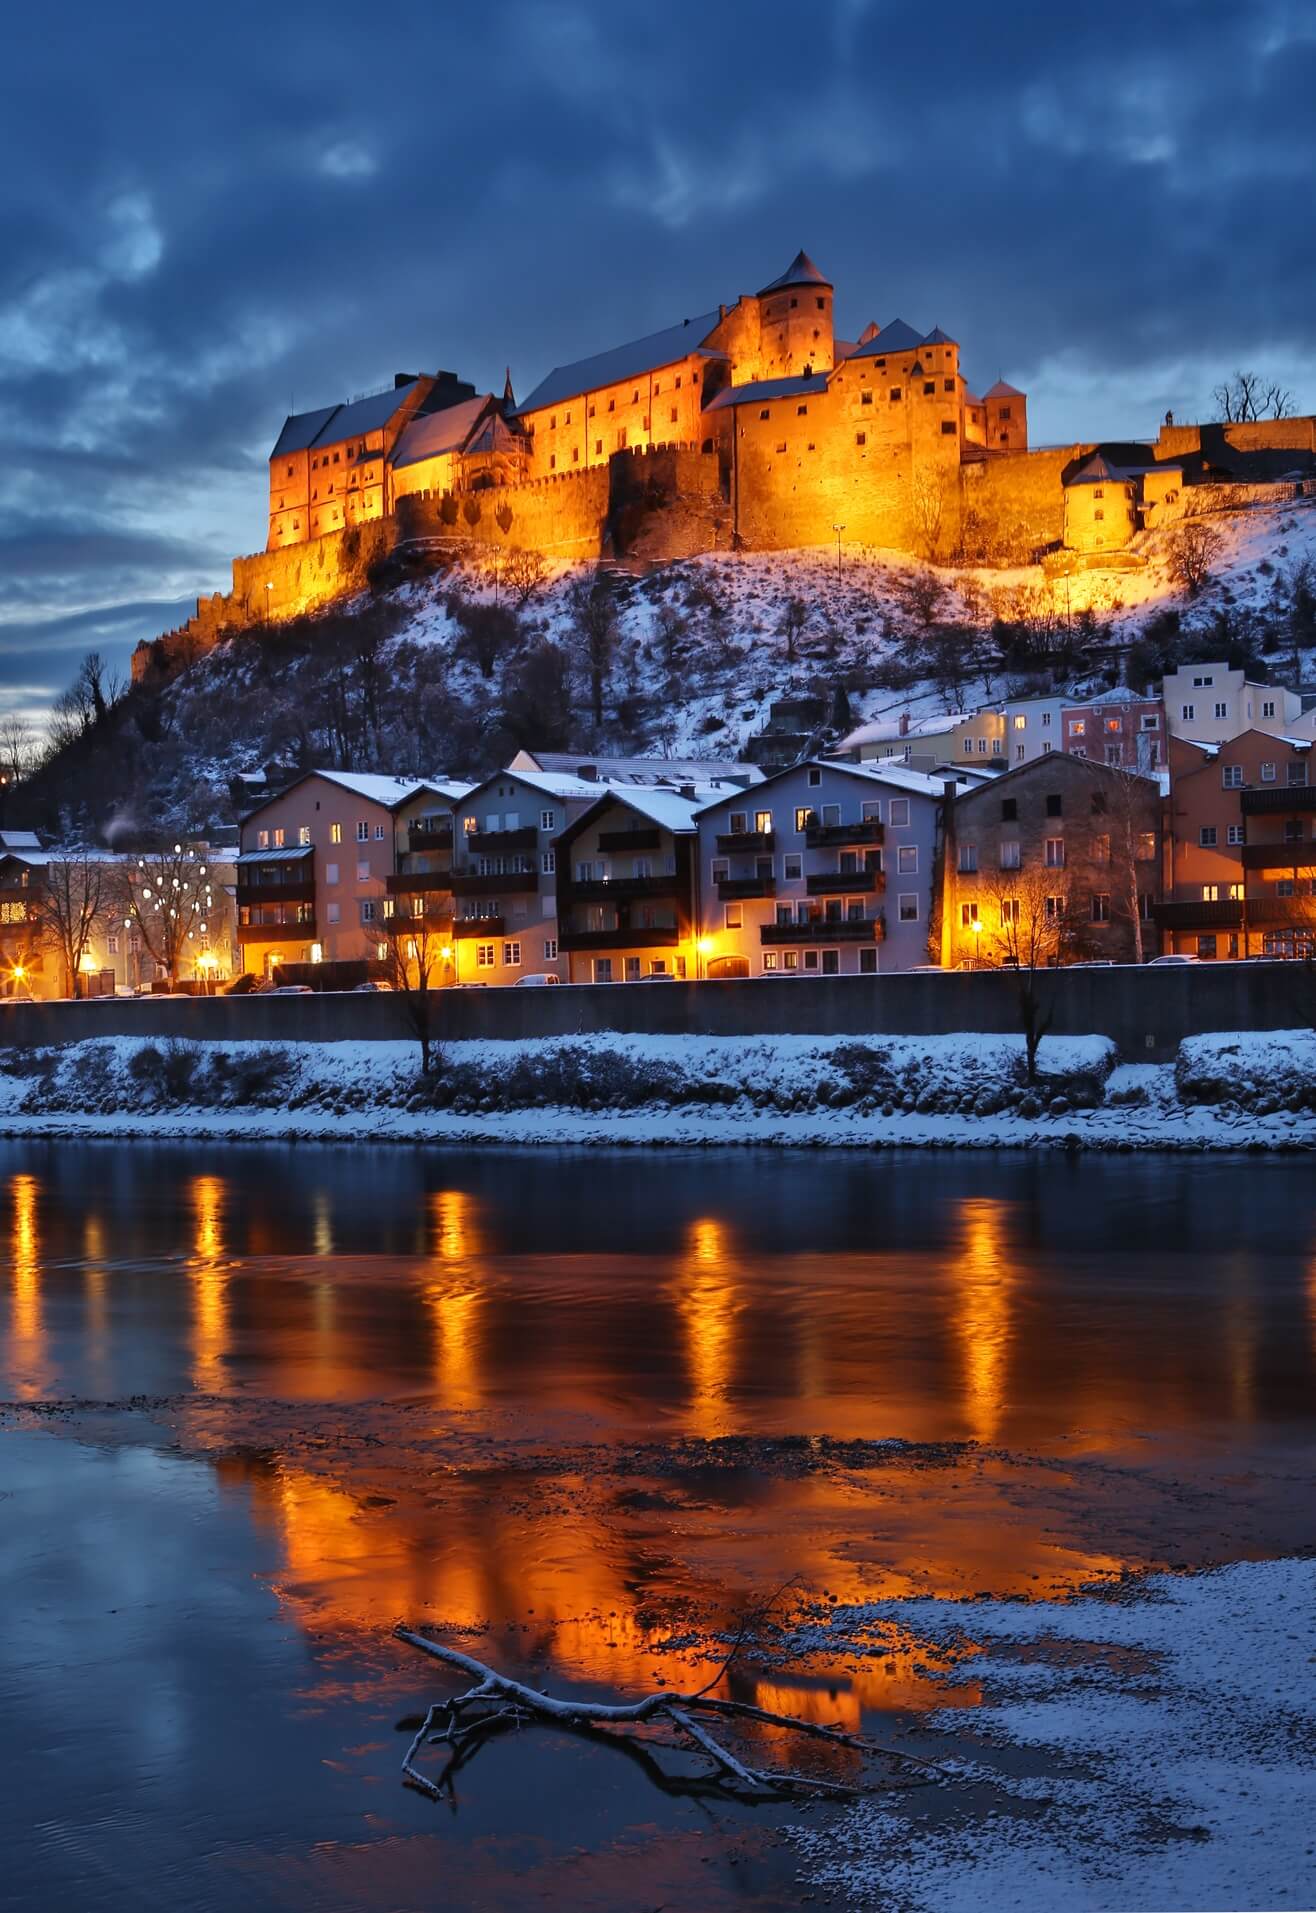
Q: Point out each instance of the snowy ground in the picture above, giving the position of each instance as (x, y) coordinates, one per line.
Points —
(1154, 1750)
(968, 1091)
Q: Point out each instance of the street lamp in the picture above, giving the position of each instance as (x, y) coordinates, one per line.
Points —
(838, 529)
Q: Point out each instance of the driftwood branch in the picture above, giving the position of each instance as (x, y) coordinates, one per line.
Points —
(496, 1703)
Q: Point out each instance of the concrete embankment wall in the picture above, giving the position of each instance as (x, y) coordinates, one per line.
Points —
(1147, 1012)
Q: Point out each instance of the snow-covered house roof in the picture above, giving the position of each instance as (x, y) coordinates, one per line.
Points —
(440, 432)
(760, 391)
(328, 424)
(627, 361)
(19, 840)
(638, 770)
(391, 792)
(676, 811)
(897, 730)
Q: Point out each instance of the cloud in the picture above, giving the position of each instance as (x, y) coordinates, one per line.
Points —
(1108, 206)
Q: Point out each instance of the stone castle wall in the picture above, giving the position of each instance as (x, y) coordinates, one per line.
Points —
(1013, 503)
(1257, 435)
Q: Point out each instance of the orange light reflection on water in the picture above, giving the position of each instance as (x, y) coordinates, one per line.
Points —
(982, 1283)
(708, 1300)
(453, 1294)
(209, 1284)
(27, 1328)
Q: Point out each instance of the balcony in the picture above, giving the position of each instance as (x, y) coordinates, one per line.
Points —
(474, 883)
(830, 836)
(1287, 857)
(417, 883)
(301, 891)
(624, 840)
(737, 843)
(463, 927)
(497, 843)
(303, 932)
(818, 930)
(733, 889)
(628, 937)
(422, 837)
(836, 883)
(620, 889)
(1277, 797)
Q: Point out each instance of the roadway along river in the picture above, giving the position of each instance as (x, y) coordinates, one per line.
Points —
(266, 1402)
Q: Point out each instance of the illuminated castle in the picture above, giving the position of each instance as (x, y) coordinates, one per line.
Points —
(775, 430)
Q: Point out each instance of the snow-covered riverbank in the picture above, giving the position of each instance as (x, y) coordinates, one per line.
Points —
(964, 1091)
(1148, 1748)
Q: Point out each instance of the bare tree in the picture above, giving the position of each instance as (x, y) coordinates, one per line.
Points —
(1193, 550)
(524, 573)
(927, 513)
(794, 617)
(167, 895)
(594, 614)
(921, 594)
(1030, 935)
(417, 955)
(1129, 802)
(18, 749)
(72, 902)
(488, 630)
(1249, 396)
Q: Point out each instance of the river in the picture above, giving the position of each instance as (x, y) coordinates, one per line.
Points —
(266, 1402)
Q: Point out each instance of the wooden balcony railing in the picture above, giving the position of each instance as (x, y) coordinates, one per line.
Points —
(624, 840)
(630, 937)
(497, 843)
(732, 843)
(476, 883)
(835, 883)
(827, 836)
(732, 889)
(463, 927)
(619, 889)
(818, 930)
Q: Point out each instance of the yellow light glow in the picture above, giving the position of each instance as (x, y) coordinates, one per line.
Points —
(455, 1297)
(704, 945)
(87, 962)
(708, 1300)
(446, 953)
(209, 1284)
(28, 1340)
(984, 1283)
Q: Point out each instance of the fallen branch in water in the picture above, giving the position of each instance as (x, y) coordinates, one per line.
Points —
(497, 1704)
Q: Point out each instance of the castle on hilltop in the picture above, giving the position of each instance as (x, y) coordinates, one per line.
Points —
(748, 427)
(786, 427)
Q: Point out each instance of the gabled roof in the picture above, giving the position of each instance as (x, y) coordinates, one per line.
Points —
(19, 840)
(938, 337)
(288, 854)
(920, 783)
(622, 362)
(800, 272)
(364, 415)
(302, 430)
(760, 391)
(391, 792)
(638, 770)
(1002, 391)
(670, 809)
(1098, 468)
(440, 432)
(896, 337)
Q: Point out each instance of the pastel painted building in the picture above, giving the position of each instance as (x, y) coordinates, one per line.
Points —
(825, 869)
(314, 867)
(1107, 502)
(1118, 728)
(1211, 704)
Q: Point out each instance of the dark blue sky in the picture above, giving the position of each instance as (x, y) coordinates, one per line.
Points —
(206, 214)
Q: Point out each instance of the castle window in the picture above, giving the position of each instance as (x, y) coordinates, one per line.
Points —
(335, 458)
(881, 365)
(929, 387)
(782, 446)
(290, 471)
(635, 398)
(861, 438)
(865, 398)
(552, 423)
(822, 305)
(1099, 491)
(765, 413)
(801, 410)
(673, 415)
(948, 385)
(895, 393)
(591, 411)
(812, 446)
(598, 448)
(657, 387)
(1098, 514)
(795, 302)
(568, 419)
(575, 454)
(552, 463)
(948, 426)
(1005, 411)
(678, 381)
(612, 405)
(1005, 438)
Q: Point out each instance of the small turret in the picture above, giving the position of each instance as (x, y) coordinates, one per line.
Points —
(795, 318)
(509, 396)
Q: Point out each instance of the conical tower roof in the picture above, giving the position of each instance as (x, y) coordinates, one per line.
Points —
(509, 396)
(800, 272)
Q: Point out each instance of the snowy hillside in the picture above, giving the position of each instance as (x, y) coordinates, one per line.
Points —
(461, 665)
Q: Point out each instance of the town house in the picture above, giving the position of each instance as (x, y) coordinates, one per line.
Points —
(1243, 855)
(1063, 853)
(822, 870)
(314, 866)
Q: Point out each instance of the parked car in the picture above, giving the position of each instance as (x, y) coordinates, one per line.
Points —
(248, 984)
(292, 989)
(368, 987)
(658, 976)
(538, 979)
(1171, 962)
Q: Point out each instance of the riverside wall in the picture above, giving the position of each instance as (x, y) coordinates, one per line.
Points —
(1145, 1012)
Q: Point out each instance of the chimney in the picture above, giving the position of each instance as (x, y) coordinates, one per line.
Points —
(588, 772)
(403, 378)
(688, 792)
(904, 721)
(949, 860)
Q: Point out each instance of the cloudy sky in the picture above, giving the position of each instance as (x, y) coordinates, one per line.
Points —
(208, 215)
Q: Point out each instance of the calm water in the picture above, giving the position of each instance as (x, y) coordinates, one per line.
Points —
(319, 1391)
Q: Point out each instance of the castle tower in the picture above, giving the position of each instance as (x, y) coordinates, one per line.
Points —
(795, 322)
